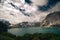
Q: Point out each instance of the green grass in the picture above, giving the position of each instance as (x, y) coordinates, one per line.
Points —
(36, 36)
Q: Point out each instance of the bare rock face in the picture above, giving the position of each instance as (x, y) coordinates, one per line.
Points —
(51, 19)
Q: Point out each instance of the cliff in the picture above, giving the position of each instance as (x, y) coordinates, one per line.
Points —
(52, 19)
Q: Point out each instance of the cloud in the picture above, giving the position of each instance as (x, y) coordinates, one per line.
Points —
(55, 8)
(39, 2)
(15, 16)
(49, 5)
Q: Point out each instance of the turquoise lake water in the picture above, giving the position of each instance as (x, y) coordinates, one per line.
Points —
(32, 30)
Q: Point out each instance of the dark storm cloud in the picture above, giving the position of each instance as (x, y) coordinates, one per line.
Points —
(28, 1)
(50, 4)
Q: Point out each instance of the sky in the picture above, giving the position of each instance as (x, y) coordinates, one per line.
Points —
(17, 11)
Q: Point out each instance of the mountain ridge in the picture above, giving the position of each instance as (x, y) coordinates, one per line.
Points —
(51, 19)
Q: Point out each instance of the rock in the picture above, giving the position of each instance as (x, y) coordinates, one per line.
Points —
(26, 24)
(4, 25)
(51, 19)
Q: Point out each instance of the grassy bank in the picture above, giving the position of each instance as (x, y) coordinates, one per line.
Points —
(36, 36)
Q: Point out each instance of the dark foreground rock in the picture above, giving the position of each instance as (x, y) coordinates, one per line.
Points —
(4, 25)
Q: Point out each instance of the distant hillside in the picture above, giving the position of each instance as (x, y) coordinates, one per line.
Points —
(26, 24)
(52, 19)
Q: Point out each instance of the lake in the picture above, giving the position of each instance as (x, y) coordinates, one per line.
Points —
(31, 30)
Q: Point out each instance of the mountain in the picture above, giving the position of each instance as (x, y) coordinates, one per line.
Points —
(4, 25)
(52, 19)
(26, 24)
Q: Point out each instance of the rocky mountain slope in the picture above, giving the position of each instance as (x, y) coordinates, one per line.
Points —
(51, 19)
(26, 24)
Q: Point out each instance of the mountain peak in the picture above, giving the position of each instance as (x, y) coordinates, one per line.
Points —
(51, 19)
